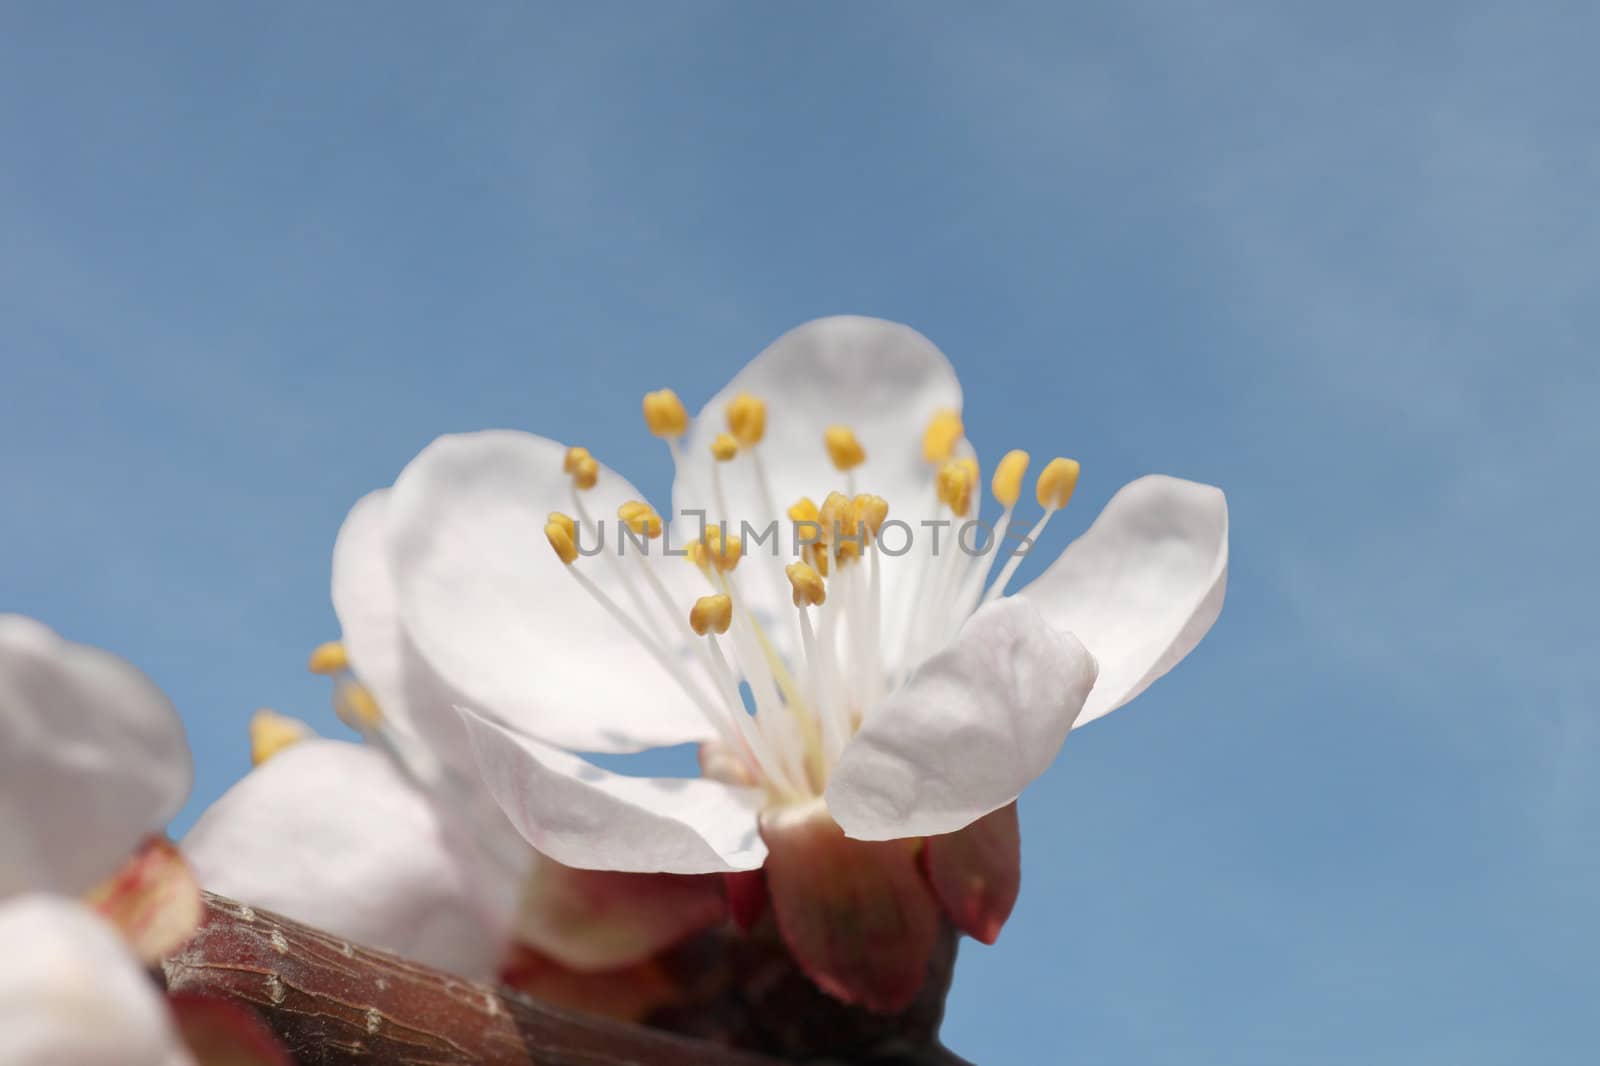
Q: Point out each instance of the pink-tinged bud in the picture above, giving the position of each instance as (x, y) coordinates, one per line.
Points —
(221, 1031)
(855, 914)
(154, 900)
(976, 872)
(627, 994)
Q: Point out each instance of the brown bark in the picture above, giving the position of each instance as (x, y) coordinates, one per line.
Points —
(334, 1003)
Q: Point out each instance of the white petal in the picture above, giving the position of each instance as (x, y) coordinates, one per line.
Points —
(329, 834)
(92, 758)
(415, 700)
(882, 379)
(584, 816)
(489, 605)
(971, 728)
(1142, 585)
(71, 994)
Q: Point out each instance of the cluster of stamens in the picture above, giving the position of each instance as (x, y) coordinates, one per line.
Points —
(784, 724)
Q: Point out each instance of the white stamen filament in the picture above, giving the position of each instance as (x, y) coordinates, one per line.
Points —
(998, 589)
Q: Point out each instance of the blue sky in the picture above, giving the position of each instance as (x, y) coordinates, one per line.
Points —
(1337, 260)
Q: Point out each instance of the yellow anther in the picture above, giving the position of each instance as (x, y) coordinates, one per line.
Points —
(585, 472)
(1008, 475)
(574, 456)
(841, 527)
(562, 533)
(807, 585)
(1056, 482)
(843, 448)
(641, 518)
(664, 414)
(357, 707)
(747, 419)
(871, 511)
(329, 659)
(803, 510)
(711, 614)
(724, 447)
(955, 486)
(271, 732)
(716, 552)
(944, 432)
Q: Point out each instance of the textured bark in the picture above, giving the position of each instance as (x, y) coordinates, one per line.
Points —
(334, 1003)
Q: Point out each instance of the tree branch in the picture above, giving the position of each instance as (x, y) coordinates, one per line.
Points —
(334, 1003)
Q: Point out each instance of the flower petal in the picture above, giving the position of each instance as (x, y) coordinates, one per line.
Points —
(1141, 586)
(967, 732)
(593, 920)
(492, 608)
(154, 900)
(856, 915)
(329, 834)
(976, 872)
(92, 758)
(70, 992)
(581, 815)
(414, 699)
(882, 379)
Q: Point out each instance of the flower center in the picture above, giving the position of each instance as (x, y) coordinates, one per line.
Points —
(782, 721)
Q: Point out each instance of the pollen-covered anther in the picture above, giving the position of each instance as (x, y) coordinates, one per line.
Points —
(842, 529)
(329, 658)
(871, 511)
(807, 585)
(724, 447)
(808, 533)
(944, 432)
(747, 419)
(1008, 474)
(664, 414)
(574, 456)
(955, 484)
(562, 533)
(641, 519)
(843, 448)
(711, 614)
(356, 706)
(1056, 483)
(716, 552)
(271, 732)
(585, 472)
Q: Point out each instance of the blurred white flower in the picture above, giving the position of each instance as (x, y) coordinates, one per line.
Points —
(92, 762)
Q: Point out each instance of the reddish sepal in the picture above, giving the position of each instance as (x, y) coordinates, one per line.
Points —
(856, 915)
(747, 897)
(597, 920)
(976, 872)
(628, 993)
(154, 900)
(221, 1033)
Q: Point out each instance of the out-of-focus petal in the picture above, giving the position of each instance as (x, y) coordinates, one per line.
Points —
(92, 758)
(71, 994)
(1141, 586)
(967, 732)
(581, 815)
(329, 834)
